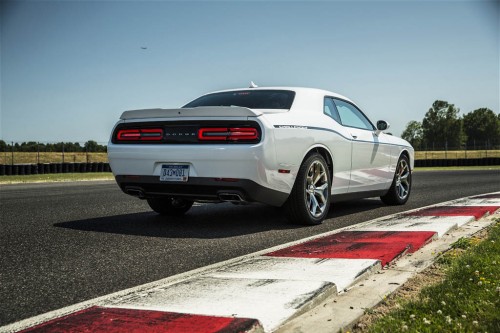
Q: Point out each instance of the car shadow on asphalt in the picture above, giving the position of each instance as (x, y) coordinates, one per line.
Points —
(212, 221)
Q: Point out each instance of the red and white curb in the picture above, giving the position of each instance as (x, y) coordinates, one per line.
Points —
(261, 292)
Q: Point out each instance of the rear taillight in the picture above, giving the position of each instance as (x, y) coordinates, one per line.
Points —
(188, 132)
(244, 133)
(228, 134)
(213, 134)
(143, 134)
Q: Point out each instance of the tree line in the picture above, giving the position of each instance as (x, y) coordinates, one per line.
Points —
(443, 128)
(70, 147)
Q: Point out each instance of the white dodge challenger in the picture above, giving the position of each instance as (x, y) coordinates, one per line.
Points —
(298, 148)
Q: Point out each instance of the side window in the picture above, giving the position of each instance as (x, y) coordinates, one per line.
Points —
(352, 117)
(330, 109)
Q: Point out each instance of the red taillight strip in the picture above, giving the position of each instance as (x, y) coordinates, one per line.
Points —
(128, 135)
(245, 133)
(212, 134)
(225, 134)
(143, 134)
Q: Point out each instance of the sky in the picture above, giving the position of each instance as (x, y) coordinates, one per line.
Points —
(68, 69)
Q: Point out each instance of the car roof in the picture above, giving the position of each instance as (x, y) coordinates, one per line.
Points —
(306, 99)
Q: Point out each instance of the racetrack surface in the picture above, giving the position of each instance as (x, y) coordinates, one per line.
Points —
(65, 243)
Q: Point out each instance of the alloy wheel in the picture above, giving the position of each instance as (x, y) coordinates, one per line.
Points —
(403, 179)
(316, 189)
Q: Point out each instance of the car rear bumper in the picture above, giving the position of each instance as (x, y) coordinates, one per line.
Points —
(255, 163)
(201, 189)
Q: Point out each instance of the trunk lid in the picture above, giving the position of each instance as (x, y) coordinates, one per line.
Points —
(202, 111)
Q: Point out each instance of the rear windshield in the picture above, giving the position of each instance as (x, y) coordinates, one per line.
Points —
(252, 99)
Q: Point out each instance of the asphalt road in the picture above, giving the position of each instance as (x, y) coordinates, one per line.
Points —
(65, 243)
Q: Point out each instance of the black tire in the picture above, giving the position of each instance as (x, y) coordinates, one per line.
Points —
(400, 189)
(170, 206)
(308, 203)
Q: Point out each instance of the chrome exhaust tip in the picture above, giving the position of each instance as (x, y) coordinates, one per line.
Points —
(231, 197)
(136, 193)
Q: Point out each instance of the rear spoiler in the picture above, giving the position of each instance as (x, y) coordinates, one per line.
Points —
(202, 111)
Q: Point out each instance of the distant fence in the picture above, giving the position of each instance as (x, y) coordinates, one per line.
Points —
(485, 156)
(47, 168)
(34, 158)
(52, 152)
(38, 158)
(455, 154)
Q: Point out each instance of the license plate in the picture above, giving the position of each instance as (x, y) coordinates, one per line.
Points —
(174, 173)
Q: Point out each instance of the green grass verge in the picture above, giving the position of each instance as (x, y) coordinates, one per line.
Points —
(468, 300)
(56, 177)
(71, 177)
(453, 168)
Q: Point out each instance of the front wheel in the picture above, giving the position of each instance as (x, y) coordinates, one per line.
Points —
(399, 191)
(170, 206)
(310, 198)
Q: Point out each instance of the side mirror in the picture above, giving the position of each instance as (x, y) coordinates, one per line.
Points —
(382, 126)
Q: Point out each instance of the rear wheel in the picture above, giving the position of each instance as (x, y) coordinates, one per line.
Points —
(401, 185)
(170, 206)
(310, 198)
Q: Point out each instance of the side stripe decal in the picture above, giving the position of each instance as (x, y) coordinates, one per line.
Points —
(332, 131)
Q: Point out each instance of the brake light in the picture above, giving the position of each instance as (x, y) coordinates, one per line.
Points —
(244, 133)
(143, 134)
(228, 134)
(212, 134)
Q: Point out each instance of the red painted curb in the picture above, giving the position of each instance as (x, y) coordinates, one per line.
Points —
(352, 250)
(476, 211)
(381, 245)
(415, 239)
(114, 320)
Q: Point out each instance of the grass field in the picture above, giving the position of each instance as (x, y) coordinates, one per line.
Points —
(52, 157)
(455, 154)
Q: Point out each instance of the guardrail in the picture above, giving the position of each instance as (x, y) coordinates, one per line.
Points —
(46, 168)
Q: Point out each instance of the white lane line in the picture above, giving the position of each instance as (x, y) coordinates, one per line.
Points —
(342, 272)
(270, 301)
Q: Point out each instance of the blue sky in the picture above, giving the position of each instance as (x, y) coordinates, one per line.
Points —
(69, 68)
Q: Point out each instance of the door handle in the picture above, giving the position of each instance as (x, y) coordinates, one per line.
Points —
(354, 136)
